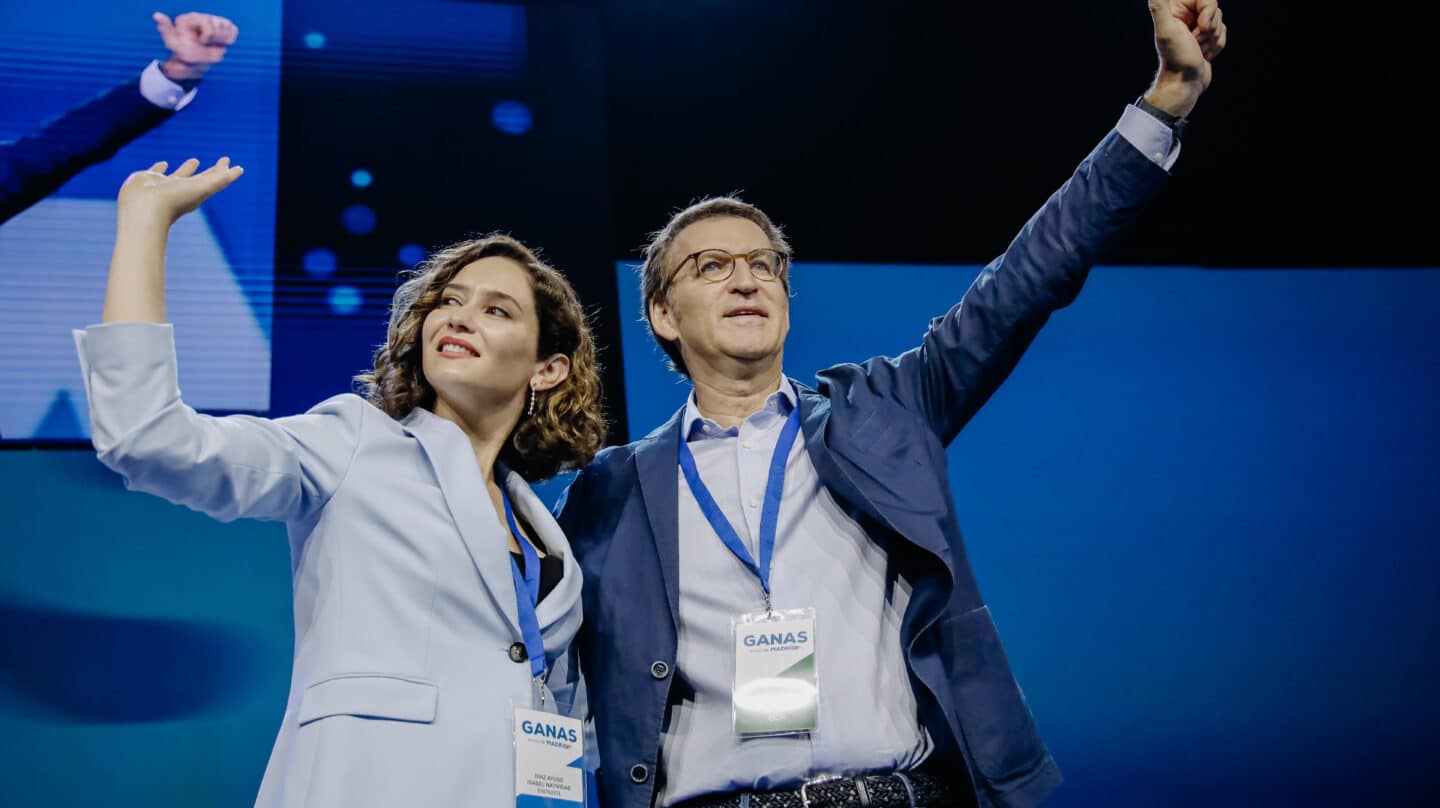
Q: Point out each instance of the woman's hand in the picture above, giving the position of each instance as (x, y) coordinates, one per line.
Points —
(151, 201)
(156, 197)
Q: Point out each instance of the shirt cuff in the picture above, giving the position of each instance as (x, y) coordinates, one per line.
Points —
(161, 91)
(1154, 139)
(130, 374)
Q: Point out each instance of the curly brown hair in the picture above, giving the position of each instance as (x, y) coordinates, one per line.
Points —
(656, 274)
(568, 426)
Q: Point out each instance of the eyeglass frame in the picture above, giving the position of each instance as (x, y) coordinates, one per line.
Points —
(778, 275)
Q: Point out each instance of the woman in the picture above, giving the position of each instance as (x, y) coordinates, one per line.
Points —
(404, 508)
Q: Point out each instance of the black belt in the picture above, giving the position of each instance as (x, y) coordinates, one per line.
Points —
(896, 790)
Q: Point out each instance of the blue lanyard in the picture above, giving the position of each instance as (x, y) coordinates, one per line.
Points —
(769, 515)
(527, 583)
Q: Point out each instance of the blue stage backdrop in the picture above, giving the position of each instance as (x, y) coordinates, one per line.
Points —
(1202, 511)
(54, 256)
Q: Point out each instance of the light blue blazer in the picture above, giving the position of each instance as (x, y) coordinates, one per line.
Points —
(405, 610)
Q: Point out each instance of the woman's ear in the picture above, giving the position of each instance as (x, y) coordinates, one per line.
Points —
(550, 372)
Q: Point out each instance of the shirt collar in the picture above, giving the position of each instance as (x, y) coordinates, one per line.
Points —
(695, 426)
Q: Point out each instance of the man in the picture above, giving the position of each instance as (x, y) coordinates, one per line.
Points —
(36, 164)
(773, 541)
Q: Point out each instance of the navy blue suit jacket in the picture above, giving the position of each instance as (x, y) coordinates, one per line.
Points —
(32, 167)
(876, 433)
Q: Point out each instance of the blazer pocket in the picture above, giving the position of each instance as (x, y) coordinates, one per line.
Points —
(370, 695)
(993, 714)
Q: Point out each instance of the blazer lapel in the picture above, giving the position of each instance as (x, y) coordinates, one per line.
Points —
(814, 418)
(559, 612)
(464, 489)
(814, 421)
(657, 461)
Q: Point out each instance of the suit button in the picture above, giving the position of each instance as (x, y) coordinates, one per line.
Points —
(517, 652)
(639, 773)
(660, 669)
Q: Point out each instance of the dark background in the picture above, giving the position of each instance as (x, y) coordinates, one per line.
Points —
(898, 132)
(927, 132)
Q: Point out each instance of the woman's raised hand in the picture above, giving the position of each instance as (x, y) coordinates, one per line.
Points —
(159, 197)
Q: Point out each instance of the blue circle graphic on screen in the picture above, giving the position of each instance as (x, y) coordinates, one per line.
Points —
(361, 178)
(411, 254)
(511, 117)
(345, 299)
(315, 40)
(358, 219)
(320, 262)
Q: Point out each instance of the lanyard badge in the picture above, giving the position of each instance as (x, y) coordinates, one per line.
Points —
(549, 760)
(775, 689)
(549, 748)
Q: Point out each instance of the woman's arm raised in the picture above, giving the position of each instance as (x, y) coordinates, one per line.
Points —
(150, 202)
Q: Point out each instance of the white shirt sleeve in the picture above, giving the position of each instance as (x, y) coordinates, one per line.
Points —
(161, 91)
(1153, 138)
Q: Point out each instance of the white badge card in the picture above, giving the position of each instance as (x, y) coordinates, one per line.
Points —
(776, 691)
(549, 760)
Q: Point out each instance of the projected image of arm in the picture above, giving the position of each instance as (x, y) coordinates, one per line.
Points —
(39, 162)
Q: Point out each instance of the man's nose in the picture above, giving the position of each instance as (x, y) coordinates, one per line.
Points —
(742, 280)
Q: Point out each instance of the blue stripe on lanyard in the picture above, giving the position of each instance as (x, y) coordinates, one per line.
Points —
(527, 583)
(769, 515)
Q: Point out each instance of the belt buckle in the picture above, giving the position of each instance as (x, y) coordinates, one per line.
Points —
(817, 780)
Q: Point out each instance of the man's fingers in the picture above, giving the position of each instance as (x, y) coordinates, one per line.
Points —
(1216, 44)
(160, 167)
(209, 31)
(200, 25)
(166, 29)
(1209, 17)
(187, 168)
(192, 25)
(1212, 39)
(225, 32)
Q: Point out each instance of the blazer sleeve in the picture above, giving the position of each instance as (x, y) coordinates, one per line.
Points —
(229, 467)
(967, 353)
(40, 161)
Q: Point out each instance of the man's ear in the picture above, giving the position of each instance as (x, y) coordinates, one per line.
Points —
(662, 319)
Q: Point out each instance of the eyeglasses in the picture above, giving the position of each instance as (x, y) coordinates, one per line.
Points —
(716, 266)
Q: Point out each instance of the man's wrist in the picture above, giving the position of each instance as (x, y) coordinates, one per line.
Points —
(1173, 94)
(185, 74)
(162, 91)
(1176, 123)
